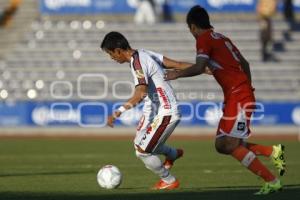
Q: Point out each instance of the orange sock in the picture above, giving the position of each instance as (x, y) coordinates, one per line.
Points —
(249, 160)
(260, 149)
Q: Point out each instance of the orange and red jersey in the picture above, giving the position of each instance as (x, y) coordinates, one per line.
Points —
(223, 61)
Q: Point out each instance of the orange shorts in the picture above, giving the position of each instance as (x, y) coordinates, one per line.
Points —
(237, 112)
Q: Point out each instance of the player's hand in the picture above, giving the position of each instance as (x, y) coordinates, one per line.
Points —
(111, 119)
(171, 75)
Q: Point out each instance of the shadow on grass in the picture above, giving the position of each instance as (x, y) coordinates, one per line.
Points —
(2, 175)
(232, 193)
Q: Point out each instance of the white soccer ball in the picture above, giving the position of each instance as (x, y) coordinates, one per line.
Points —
(109, 177)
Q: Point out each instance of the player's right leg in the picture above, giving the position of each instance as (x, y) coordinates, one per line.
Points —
(146, 124)
(148, 141)
(232, 130)
(154, 164)
(233, 146)
(270, 187)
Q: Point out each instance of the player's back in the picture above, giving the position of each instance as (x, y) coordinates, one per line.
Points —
(160, 91)
(224, 60)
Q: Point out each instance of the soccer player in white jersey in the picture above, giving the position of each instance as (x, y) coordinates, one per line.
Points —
(160, 113)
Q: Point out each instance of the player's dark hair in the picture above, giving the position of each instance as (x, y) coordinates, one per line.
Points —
(198, 16)
(114, 40)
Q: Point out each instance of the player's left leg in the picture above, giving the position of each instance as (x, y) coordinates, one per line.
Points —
(171, 154)
(161, 148)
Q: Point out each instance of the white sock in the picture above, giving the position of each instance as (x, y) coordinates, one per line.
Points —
(169, 152)
(153, 163)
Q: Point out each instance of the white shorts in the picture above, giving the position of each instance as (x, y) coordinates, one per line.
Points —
(151, 133)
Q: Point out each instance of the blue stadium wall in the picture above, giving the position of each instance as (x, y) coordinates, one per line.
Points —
(93, 114)
(127, 6)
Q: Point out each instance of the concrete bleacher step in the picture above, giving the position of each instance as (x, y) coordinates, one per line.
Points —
(48, 45)
(26, 13)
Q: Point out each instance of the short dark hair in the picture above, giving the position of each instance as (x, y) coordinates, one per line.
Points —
(198, 16)
(114, 40)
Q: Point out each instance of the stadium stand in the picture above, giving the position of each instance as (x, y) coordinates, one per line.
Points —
(48, 51)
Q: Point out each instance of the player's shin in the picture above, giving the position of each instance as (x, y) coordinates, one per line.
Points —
(169, 152)
(249, 160)
(153, 163)
(259, 149)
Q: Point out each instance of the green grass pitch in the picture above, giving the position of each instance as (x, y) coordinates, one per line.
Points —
(65, 169)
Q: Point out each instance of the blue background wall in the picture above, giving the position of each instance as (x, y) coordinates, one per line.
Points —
(93, 114)
(124, 6)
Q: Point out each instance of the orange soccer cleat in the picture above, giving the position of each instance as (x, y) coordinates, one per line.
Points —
(161, 185)
(168, 164)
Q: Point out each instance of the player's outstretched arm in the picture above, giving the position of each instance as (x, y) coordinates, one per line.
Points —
(140, 93)
(177, 65)
(194, 70)
(245, 66)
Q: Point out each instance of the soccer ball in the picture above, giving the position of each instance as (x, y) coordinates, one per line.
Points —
(109, 177)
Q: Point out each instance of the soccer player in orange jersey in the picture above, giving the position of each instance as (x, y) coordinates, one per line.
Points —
(231, 70)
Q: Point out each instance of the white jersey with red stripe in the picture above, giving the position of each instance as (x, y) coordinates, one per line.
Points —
(147, 69)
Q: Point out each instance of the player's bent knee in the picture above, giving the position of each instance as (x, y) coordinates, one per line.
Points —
(139, 152)
(223, 148)
(226, 145)
(139, 149)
